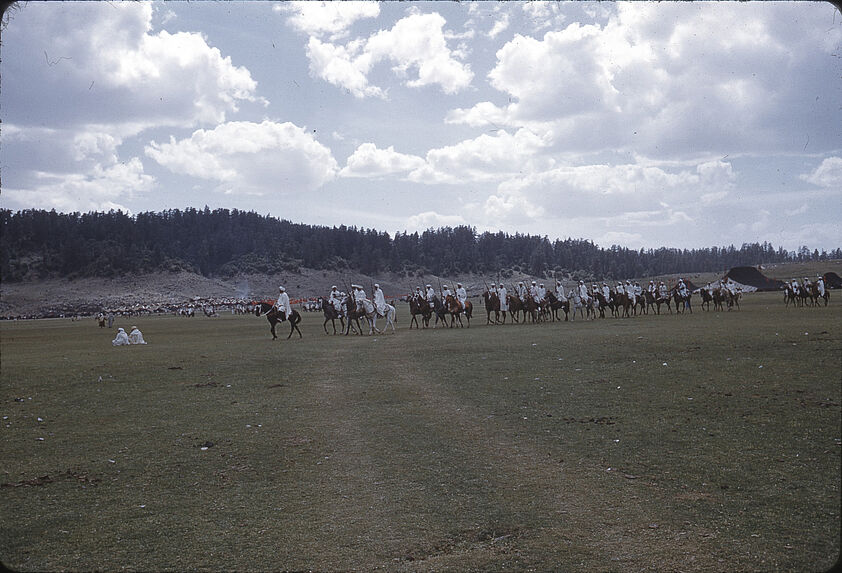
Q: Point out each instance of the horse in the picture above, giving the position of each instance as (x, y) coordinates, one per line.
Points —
(419, 305)
(661, 299)
(515, 307)
(679, 299)
(331, 314)
(622, 300)
(706, 297)
(603, 304)
(440, 310)
(531, 308)
(456, 311)
(817, 295)
(390, 316)
(733, 299)
(274, 317)
(554, 305)
(649, 297)
(790, 296)
(367, 312)
(492, 304)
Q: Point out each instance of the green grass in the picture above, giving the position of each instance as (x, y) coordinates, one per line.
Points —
(566, 446)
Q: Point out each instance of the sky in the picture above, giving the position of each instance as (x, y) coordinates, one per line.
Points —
(643, 125)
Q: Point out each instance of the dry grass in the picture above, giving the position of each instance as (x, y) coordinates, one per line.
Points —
(552, 447)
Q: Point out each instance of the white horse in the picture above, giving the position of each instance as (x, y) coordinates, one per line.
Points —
(390, 319)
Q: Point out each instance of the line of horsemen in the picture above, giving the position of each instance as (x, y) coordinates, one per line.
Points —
(808, 293)
(537, 302)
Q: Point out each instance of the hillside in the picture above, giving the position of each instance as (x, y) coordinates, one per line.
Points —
(55, 297)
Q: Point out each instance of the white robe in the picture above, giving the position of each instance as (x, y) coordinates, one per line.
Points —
(380, 302)
(461, 296)
(136, 337)
(501, 294)
(559, 293)
(820, 284)
(283, 303)
(122, 338)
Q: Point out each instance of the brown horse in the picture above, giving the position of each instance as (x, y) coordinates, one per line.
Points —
(272, 314)
(456, 311)
(419, 305)
(515, 307)
(492, 304)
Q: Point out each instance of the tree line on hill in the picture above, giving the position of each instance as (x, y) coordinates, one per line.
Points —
(37, 244)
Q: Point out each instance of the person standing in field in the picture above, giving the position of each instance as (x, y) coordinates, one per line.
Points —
(502, 297)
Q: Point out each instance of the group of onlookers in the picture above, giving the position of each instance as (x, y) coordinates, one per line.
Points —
(123, 339)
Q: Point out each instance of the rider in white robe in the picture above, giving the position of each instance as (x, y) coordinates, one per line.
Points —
(122, 338)
(135, 336)
(662, 290)
(431, 295)
(379, 300)
(630, 291)
(542, 291)
(282, 304)
(620, 289)
(559, 291)
(359, 298)
(521, 291)
(682, 288)
(445, 292)
(606, 292)
(502, 294)
(533, 292)
(583, 292)
(335, 299)
(461, 295)
(820, 285)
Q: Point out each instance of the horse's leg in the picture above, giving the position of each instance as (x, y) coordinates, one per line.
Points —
(324, 325)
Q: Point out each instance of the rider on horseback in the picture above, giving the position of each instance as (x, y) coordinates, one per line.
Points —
(461, 295)
(282, 304)
(335, 298)
(379, 300)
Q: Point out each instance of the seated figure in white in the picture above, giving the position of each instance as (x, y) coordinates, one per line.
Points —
(122, 338)
(135, 336)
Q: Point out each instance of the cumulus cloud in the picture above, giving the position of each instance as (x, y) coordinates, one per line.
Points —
(369, 161)
(416, 43)
(247, 157)
(101, 189)
(331, 19)
(828, 174)
(484, 158)
(665, 80)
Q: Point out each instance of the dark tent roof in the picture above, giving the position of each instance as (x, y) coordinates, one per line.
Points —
(750, 276)
(832, 280)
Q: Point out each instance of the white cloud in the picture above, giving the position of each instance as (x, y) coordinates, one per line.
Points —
(369, 161)
(342, 66)
(432, 220)
(828, 174)
(484, 158)
(415, 43)
(246, 157)
(332, 19)
(667, 80)
(101, 189)
(500, 26)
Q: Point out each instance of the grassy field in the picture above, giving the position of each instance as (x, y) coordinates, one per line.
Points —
(703, 442)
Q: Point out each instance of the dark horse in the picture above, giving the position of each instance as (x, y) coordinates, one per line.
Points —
(331, 314)
(419, 305)
(274, 317)
(555, 305)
